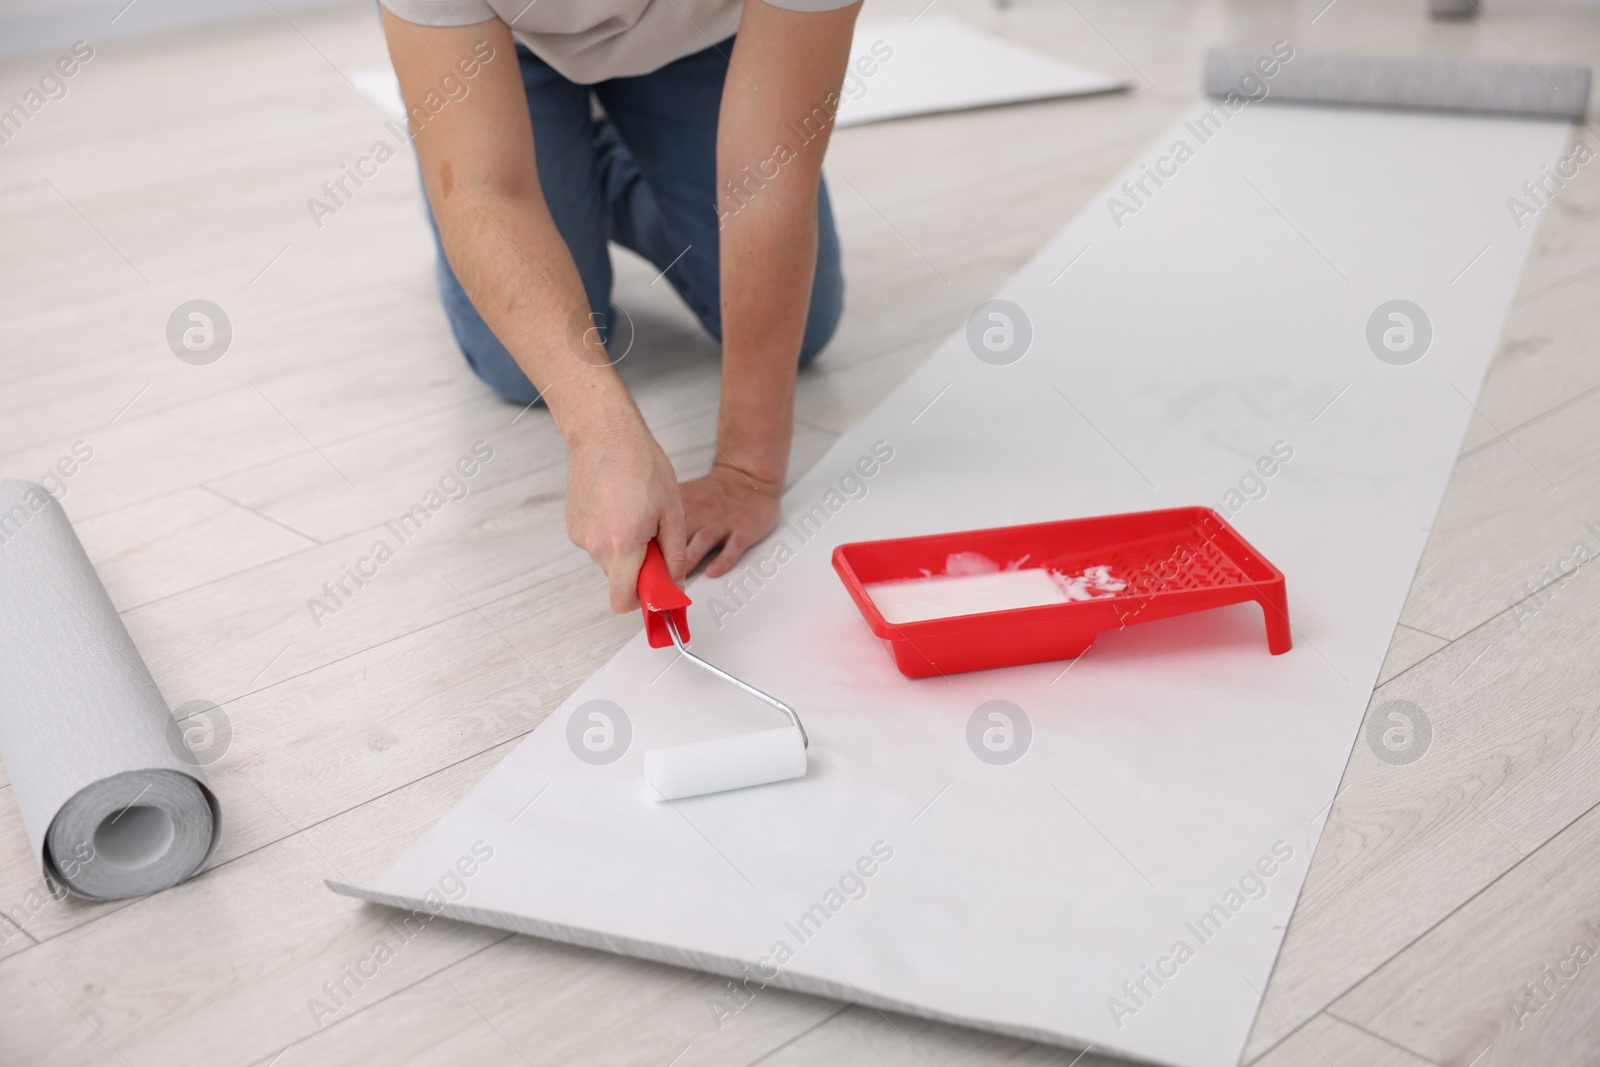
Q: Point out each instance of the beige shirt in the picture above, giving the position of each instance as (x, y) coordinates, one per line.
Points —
(588, 41)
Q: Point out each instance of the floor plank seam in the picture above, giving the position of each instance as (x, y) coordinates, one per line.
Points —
(1519, 427)
(814, 428)
(1451, 641)
(1556, 286)
(87, 361)
(1420, 630)
(203, 487)
(221, 389)
(347, 535)
(519, 591)
(832, 370)
(33, 941)
(130, 609)
(297, 315)
(77, 303)
(297, 454)
(471, 609)
(1379, 1037)
(842, 1007)
(1327, 1007)
(504, 936)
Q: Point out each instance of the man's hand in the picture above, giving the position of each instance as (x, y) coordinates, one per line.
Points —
(621, 492)
(728, 508)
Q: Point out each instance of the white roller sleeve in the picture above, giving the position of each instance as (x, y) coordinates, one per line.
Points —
(725, 763)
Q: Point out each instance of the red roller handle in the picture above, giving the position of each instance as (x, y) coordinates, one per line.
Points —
(660, 596)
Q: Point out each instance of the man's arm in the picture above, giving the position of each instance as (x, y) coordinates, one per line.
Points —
(783, 86)
(478, 165)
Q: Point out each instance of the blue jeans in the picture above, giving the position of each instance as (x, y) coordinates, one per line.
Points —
(645, 177)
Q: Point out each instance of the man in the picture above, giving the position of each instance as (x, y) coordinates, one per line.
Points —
(707, 162)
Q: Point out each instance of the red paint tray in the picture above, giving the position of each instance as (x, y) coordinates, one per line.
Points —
(1175, 561)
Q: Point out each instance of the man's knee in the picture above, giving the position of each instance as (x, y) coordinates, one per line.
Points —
(488, 358)
(827, 285)
(504, 377)
(822, 320)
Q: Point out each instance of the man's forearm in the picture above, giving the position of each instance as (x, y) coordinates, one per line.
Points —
(771, 170)
(768, 259)
(513, 264)
(481, 172)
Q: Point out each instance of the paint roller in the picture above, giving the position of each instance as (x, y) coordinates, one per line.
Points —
(1430, 84)
(722, 763)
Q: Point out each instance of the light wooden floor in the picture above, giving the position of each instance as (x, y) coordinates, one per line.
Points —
(220, 498)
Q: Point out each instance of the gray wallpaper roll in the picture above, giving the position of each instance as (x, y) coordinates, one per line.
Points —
(113, 803)
(1555, 90)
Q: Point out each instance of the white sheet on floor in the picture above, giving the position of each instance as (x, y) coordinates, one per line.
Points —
(937, 64)
(1175, 762)
(381, 88)
(898, 70)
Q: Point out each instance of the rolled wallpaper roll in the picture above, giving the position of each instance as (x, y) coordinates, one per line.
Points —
(113, 803)
(1430, 83)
